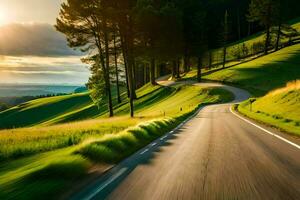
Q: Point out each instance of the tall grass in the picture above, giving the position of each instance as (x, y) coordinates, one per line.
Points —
(290, 86)
(46, 175)
(113, 148)
(279, 108)
(159, 103)
(17, 143)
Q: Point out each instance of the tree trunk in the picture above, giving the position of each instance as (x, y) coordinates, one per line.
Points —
(186, 61)
(125, 64)
(210, 60)
(131, 61)
(226, 31)
(117, 70)
(145, 73)
(199, 68)
(174, 69)
(106, 71)
(152, 72)
(238, 23)
(224, 56)
(267, 42)
(278, 37)
(178, 69)
(249, 28)
(134, 75)
(268, 26)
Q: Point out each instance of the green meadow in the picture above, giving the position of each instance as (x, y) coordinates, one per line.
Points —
(42, 160)
(279, 108)
(263, 74)
(248, 43)
(260, 77)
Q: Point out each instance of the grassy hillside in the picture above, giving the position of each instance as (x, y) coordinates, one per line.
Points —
(263, 74)
(248, 42)
(280, 108)
(47, 108)
(42, 161)
(53, 110)
(158, 103)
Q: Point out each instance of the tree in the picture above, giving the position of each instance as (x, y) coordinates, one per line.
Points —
(264, 11)
(85, 25)
(225, 37)
(116, 66)
(3, 106)
(96, 83)
(124, 19)
(148, 24)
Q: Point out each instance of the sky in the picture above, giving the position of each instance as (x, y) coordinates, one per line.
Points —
(31, 50)
(26, 11)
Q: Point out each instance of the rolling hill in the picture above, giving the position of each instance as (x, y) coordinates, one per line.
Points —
(279, 108)
(263, 74)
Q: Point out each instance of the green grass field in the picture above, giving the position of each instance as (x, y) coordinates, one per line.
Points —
(50, 143)
(34, 159)
(279, 108)
(217, 54)
(263, 74)
(54, 110)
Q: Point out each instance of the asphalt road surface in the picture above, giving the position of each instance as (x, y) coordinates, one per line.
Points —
(214, 155)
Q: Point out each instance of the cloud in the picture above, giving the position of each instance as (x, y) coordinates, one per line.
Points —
(33, 40)
(33, 69)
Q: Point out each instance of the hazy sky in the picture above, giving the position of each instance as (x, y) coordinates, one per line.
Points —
(43, 11)
(31, 50)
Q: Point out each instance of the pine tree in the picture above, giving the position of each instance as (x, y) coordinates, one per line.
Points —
(85, 25)
(265, 12)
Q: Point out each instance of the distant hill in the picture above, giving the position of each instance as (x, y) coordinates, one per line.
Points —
(19, 90)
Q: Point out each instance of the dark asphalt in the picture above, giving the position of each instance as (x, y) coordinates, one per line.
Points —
(215, 155)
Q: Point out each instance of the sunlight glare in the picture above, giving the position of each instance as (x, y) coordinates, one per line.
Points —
(3, 16)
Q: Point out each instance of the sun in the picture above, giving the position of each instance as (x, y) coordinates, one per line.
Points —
(3, 16)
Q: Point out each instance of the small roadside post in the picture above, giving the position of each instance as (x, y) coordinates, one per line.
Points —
(251, 102)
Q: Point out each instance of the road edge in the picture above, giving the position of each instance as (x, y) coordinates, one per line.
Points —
(263, 129)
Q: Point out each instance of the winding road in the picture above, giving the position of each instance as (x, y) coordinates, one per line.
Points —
(216, 154)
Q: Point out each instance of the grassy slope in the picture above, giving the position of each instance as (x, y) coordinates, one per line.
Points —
(279, 108)
(47, 174)
(249, 41)
(263, 74)
(20, 142)
(53, 110)
(48, 108)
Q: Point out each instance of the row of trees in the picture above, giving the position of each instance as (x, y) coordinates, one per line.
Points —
(144, 34)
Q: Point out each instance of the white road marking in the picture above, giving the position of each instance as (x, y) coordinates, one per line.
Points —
(153, 144)
(269, 132)
(144, 151)
(171, 132)
(105, 184)
(163, 138)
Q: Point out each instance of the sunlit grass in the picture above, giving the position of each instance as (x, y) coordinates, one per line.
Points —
(16, 143)
(279, 108)
(100, 140)
(158, 103)
(265, 73)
